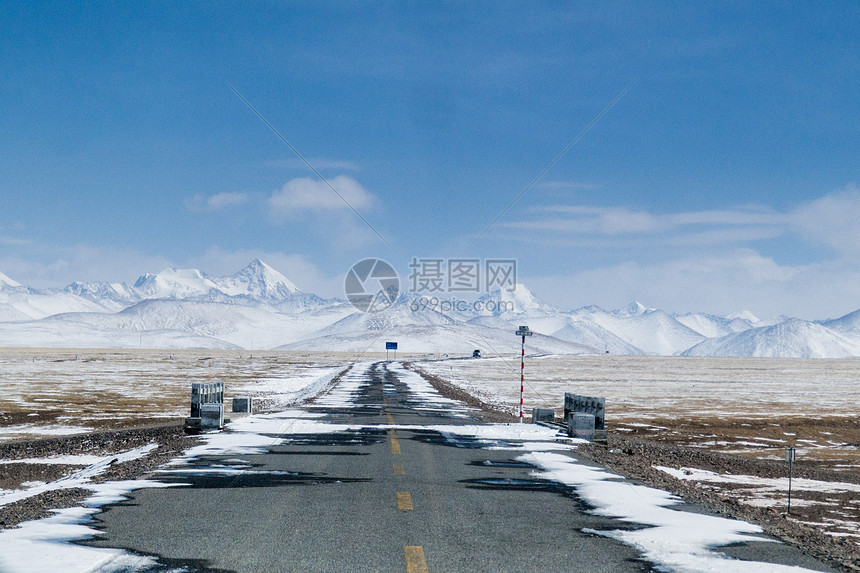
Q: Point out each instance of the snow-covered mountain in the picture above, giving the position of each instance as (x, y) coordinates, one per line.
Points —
(174, 283)
(7, 282)
(258, 307)
(23, 303)
(791, 339)
(583, 329)
(652, 331)
(113, 296)
(258, 280)
(711, 326)
(429, 331)
(850, 323)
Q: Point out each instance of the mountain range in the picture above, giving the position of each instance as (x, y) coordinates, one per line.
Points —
(260, 308)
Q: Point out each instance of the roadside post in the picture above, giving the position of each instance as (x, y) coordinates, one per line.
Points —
(790, 454)
(523, 331)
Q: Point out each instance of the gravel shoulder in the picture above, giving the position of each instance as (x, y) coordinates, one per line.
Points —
(171, 440)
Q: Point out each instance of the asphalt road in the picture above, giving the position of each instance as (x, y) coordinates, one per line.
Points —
(377, 499)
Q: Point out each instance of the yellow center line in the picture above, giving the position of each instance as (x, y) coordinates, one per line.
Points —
(399, 470)
(390, 418)
(395, 443)
(415, 561)
(404, 500)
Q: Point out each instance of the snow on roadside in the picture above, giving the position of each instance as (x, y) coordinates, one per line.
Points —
(68, 460)
(760, 484)
(80, 478)
(769, 492)
(674, 540)
(42, 545)
(423, 391)
(11, 432)
(282, 392)
(348, 387)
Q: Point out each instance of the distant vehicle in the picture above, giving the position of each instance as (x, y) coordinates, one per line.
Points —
(476, 354)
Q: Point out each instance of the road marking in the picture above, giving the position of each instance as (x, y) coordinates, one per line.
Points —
(395, 443)
(415, 562)
(404, 500)
(390, 418)
(399, 470)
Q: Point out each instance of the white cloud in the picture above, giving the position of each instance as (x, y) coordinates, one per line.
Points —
(833, 219)
(619, 221)
(14, 241)
(738, 280)
(312, 194)
(222, 200)
(216, 202)
(57, 267)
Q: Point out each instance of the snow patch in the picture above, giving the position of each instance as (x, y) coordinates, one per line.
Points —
(674, 540)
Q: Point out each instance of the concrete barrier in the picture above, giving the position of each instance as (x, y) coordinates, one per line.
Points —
(243, 404)
(205, 394)
(580, 425)
(586, 405)
(211, 416)
(543, 415)
(202, 396)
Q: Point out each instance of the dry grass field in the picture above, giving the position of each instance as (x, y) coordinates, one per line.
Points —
(57, 392)
(748, 406)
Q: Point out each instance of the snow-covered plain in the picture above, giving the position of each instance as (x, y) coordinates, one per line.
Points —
(748, 406)
(652, 387)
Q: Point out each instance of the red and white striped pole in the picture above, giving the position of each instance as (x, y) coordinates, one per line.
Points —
(522, 377)
(523, 332)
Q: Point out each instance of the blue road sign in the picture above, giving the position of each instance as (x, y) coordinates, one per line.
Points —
(391, 346)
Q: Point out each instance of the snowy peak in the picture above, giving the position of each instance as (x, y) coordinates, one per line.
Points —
(713, 326)
(114, 296)
(6, 281)
(635, 308)
(743, 315)
(522, 298)
(258, 280)
(519, 301)
(174, 283)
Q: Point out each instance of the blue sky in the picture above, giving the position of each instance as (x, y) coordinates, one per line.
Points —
(726, 178)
